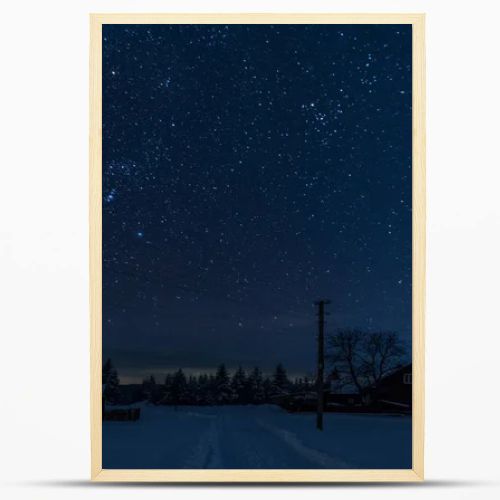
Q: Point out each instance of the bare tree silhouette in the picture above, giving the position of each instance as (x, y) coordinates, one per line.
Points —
(363, 359)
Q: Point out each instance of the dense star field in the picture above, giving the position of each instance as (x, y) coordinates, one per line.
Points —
(249, 170)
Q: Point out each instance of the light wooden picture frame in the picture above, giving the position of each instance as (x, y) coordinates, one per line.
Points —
(416, 473)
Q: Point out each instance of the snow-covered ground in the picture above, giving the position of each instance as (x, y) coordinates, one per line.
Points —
(255, 437)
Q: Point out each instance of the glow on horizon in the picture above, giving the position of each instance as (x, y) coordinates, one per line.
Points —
(160, 375)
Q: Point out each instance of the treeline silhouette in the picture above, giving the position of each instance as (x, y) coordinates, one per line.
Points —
(218, 388)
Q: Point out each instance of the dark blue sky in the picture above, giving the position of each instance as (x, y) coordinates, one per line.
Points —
(248, 171)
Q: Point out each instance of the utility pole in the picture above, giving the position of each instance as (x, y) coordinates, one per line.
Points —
(321, 361)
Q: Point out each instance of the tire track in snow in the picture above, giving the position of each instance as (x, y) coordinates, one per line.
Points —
(206, 454)
(310, 454)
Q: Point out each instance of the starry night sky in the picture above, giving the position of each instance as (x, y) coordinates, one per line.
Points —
(249, 170)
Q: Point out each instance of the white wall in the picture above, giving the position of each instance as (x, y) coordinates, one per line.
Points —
(44, 429)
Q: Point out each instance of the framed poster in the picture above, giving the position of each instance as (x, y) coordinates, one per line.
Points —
(257, 245)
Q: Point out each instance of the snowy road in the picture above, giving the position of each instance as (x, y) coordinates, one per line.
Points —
(255, 437)
(247, 442)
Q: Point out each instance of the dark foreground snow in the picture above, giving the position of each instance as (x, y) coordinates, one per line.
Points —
(255, 437)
